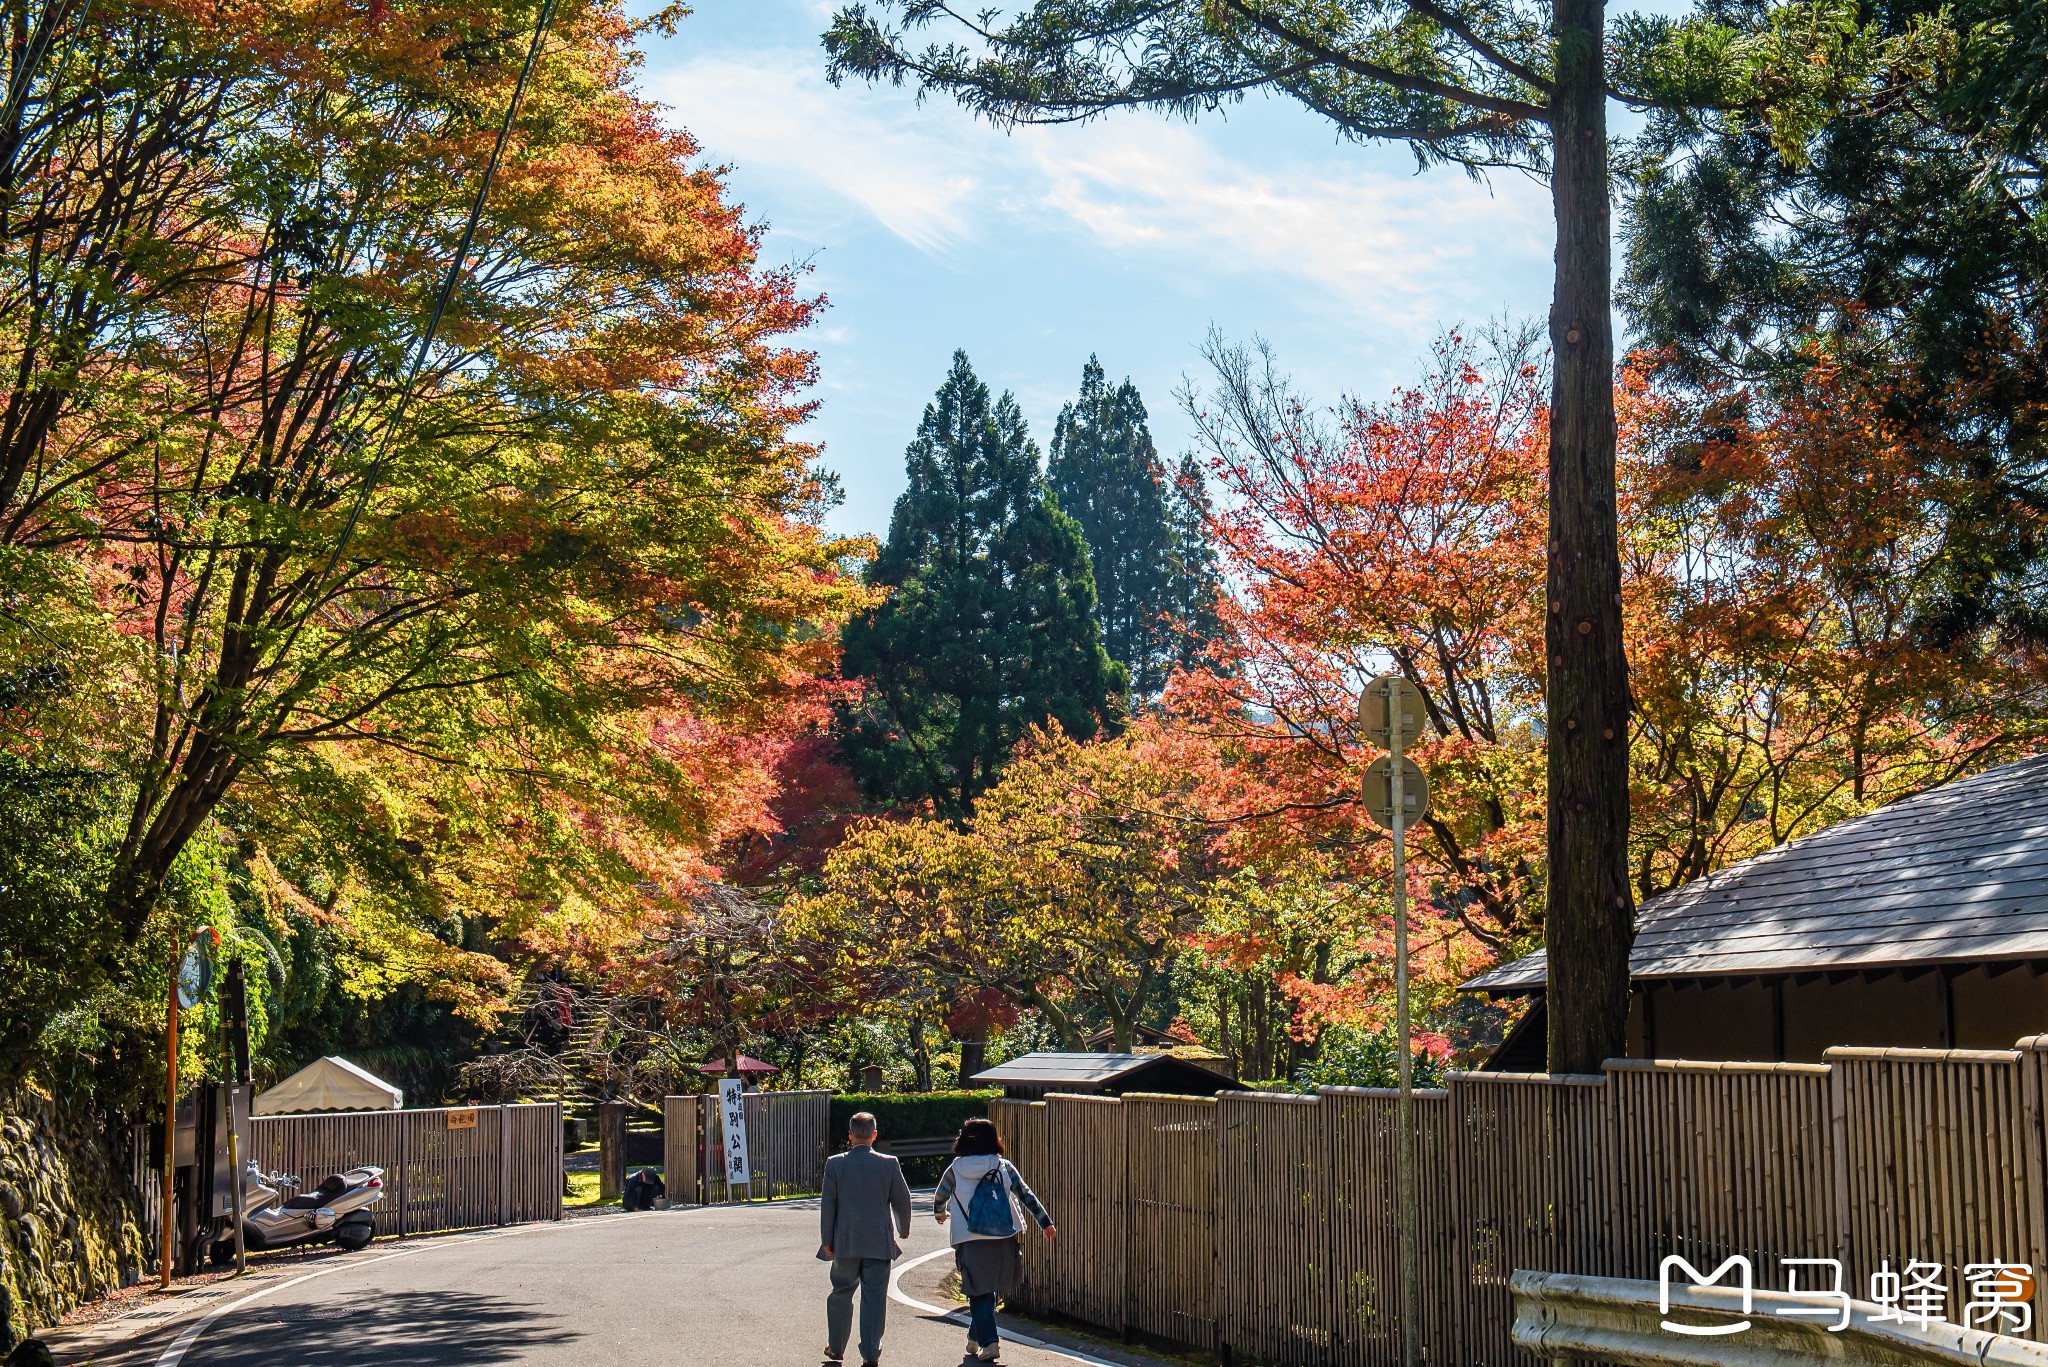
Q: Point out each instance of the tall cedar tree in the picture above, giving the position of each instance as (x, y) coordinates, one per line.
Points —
(1154, 577)
(1479, 83)
(989, 628)
(1191, 592)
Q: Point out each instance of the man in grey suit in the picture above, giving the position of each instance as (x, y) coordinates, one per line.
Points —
(864, 1193)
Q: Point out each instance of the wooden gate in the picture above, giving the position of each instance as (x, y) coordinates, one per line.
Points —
(786, 1146)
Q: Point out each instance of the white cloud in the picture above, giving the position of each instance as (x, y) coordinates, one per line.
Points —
(1365, 237)
(775, 113)
(1359, 231)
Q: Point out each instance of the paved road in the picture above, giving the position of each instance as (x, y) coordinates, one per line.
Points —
(718, 1287)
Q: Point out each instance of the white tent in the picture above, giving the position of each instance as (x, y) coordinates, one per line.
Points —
(328, 1084)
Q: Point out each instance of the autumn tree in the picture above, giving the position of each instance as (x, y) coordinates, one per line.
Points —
(1479, 85)
(1404, 534)
(1070, 892)
(1781, 566)
(462, 608)
(1904, 240)
(1147, 540)
(1770, 566)
(989, 626)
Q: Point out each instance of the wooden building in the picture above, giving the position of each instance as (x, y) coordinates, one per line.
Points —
(1143, 1036)
(1031, 1076)
(1921, 925)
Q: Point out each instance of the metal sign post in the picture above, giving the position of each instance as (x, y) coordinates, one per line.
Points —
(190, 981)
(167, 1243)
(235, 1020)
(1396, 794)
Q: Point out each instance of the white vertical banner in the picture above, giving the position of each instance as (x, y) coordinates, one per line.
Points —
(732, 1103)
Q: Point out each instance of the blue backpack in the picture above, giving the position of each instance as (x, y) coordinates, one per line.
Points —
(989, 1212)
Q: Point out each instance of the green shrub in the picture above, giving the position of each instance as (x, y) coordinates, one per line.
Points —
(910, 1115)
(1351, 1057)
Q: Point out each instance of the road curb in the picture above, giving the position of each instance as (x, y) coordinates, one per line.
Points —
(959, 1316)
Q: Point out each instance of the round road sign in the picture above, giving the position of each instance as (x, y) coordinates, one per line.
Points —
(1379, 792)
(1390, 694)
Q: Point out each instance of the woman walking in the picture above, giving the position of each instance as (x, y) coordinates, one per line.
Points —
(978, 1198)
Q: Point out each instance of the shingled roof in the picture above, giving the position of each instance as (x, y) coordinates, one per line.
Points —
(1956, 874)
(1109, 1073)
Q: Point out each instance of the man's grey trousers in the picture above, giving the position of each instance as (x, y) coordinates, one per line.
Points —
(871, 1275)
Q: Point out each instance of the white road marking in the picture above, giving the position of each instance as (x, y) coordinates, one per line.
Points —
(959, 1317)
(175, 1354)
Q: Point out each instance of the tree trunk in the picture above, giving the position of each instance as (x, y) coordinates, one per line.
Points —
(1262, 1038)
(1230, 1054)
(973, 1058)
(1589, 914)
(1061, 1022)
(920, 1057)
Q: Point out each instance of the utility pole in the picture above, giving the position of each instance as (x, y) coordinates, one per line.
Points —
(191, 980)
(167, 1241)
(235, 1019)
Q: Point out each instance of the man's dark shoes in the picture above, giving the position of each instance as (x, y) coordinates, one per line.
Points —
(831, 1356)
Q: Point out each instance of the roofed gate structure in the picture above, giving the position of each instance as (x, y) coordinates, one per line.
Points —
(1031, 1076)
(1921, 925)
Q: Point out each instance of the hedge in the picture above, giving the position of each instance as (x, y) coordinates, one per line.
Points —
(911, 1115)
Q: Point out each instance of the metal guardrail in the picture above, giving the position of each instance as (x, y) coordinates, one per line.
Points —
(1566, 1318)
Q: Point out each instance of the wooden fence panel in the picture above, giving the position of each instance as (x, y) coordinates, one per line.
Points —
(1582, 1157)
(1876, 1156)
(1272, 1168)
(1526, 1156)
(1026, 1130)
(1361, 1135)
(535, 1170)
(1084, 1193)
(1170, 1194)
(1722, 1159)
(498, 1165)
(682, 1149)
(1940, 1140)
(787, 1145)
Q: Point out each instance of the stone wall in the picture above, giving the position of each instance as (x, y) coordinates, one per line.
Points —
(68, 1227)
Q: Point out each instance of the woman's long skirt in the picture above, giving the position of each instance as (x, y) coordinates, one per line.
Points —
(988, 1265)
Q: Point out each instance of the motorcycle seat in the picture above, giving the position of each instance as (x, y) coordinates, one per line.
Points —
(312, 1201)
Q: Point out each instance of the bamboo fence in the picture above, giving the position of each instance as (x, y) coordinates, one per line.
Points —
(786, 1146)
(458, 1167)
(1262, 1226)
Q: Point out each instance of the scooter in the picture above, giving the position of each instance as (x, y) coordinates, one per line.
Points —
(275, 1215)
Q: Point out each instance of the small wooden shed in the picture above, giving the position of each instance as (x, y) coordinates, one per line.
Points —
(1920, 925)
(1030, 1076)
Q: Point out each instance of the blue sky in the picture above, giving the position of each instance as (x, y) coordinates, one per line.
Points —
(1128, 237)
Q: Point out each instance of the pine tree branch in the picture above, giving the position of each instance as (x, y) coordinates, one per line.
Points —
(1451, 23)
(1519, 110)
